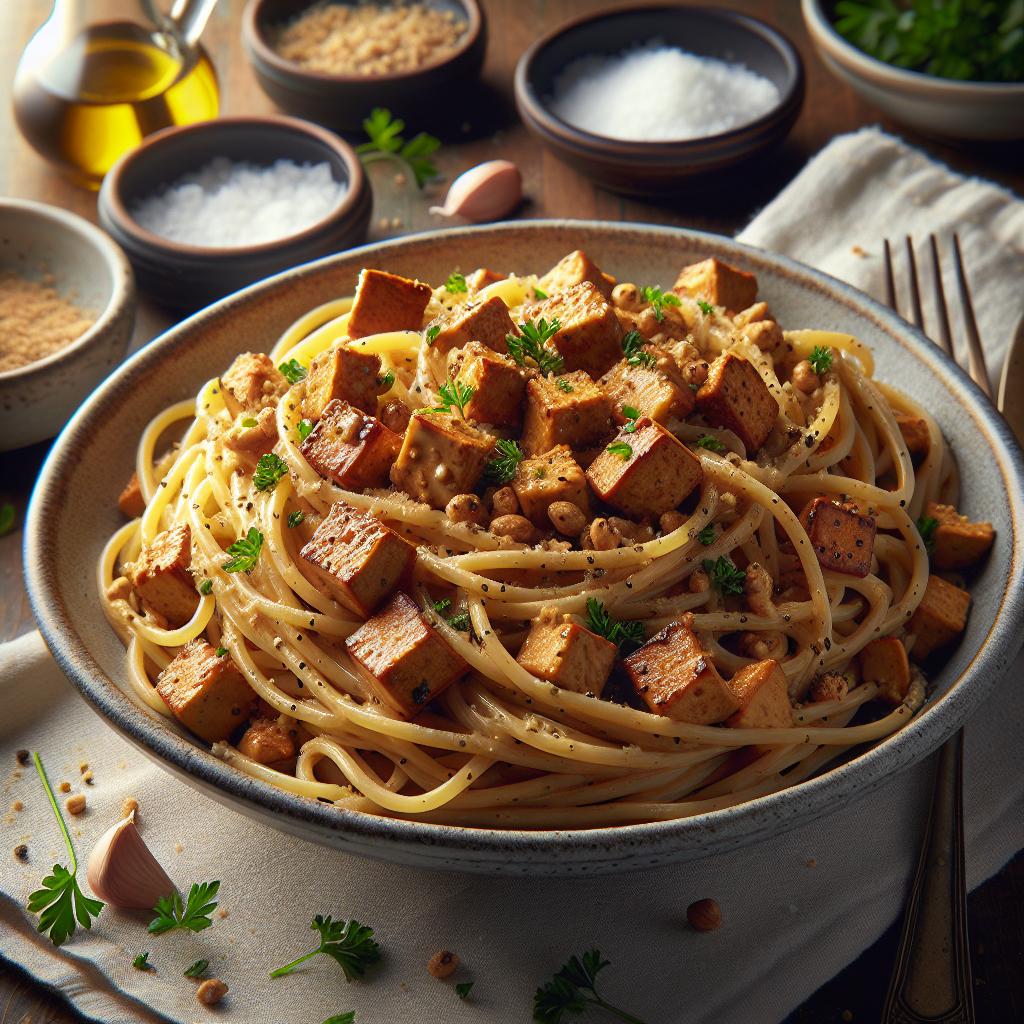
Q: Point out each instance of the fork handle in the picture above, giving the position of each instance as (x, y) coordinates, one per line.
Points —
(931, 980)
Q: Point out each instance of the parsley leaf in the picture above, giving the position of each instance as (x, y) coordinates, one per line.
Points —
(249, 423)
(141, 962)
(620, 448)
(6, 518)
(633, 349)
(463, 988)
(342, 1018)
(926, 526)
(206, 587)
(304, 428)
(245, 552)
(60, 902)
(573, 989)
(820, 359)
(532, 343)
(658, 300)
(632, 415)
(624, 633)
(707, 536)
(705, 307)
(725, 575)
(221, 651)
(293, 371)
(295, 518)
(198, 969)
(710, 442)
(432, 333)
(454, 394)
(537, 294)
(350, 943)
(269, 469)
(503, 466)
(564, 385)
(456, 283)
(193, 915)
(460, 621)
(386, 143)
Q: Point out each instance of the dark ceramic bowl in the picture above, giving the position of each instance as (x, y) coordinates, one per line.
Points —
(343, 101)
(188, 277)
(641, 168)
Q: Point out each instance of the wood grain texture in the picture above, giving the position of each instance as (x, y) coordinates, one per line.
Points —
(486, 129)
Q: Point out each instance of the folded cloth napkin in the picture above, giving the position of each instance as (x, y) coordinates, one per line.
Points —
(796, 908)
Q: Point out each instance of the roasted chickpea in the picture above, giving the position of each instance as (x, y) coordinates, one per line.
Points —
(627, 296)
(604, 536)
(670, 521)
(704, 915)
(443, 964)
(696, 372)
(517, 528)
(804, 377)
(395, 415)
(758, 587)
(211, 991)
(504, 502)
(567, 518)
(465, 508)
(700, 582)
(638, 533)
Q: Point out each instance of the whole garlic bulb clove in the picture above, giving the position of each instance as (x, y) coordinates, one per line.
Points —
(486, 192)
(121, 870)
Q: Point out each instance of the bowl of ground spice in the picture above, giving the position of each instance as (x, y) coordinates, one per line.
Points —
(643, 99)
(333, 62)
(67, 309)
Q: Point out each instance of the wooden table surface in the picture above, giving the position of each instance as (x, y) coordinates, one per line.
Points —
(997, 908)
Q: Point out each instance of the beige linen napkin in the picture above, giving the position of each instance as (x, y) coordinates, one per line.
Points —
(797, 908)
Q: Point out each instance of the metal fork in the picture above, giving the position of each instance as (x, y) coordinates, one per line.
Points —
(931, 979)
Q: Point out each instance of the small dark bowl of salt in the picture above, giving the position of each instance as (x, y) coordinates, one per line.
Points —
(642, 99)
(209, 208)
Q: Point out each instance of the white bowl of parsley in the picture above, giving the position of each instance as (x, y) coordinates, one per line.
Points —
(953, 70)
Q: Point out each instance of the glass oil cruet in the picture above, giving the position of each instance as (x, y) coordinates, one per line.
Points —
(100, 75)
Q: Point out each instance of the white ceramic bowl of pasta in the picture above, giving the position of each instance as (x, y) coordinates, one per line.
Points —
(95, 454)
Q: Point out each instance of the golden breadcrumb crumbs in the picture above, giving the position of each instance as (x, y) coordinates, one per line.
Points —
(65, 787)
(211, 991)
(443, 963)
(75, 804)
(130, 806)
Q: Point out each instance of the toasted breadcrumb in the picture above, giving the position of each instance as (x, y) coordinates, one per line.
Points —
(75, 804)
(443, 963)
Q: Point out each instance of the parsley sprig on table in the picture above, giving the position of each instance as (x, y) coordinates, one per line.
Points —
(633, 349)
(463, 988)
(293, 371)
(198, 969)
(507, 456)
(269, 469)
(622, 632)
(659, 300)
(926, 526)
(350, 943)
(820, 359)
(386, 143)
(342, 1018)
(245, 552)
(724, 575)
(573, 989)
(454, 395)
(192, 915)
(141, 962)
(60, 902)
(532, 344)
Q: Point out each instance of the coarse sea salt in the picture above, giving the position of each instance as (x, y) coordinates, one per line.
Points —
(228, 204)
(658, 93)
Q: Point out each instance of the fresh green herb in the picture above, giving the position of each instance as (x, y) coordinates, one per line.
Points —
(198, 969)
(442, 605)
(460, 622)
(624, 633)
(573, 989)
(269, 469)
(295, 519)
(245, 552)
(658, 300)
(632, 415)
(60, 902)
(975, 40)
(304, 428)
(710, 442)
(564, 385)
(633, 349)
(725, 575)
(432, 333)
(503, 466)
(454, 395)
(705, 307)
(206, 587)
(926, 526)
(249, 423)
(141, 962)
(349, 942)
(540, 472)
(456, 283)
(385, 382)
(386, 143)
(6, 518)
(820, 359)
(221, 651)
(538, 294)
(463, 989)
(623, 450)
(342, 1018)
(532, 343)
(293, 371)
(193, 915)
(707, 536)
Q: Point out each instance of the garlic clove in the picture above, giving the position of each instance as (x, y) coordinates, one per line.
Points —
(121, 870)
(488, 191)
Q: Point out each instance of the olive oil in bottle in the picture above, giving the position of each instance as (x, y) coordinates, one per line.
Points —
(98, 95)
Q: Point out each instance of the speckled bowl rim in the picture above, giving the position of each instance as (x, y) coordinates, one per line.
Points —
(585, 141)
(549, 852)
(115, 266)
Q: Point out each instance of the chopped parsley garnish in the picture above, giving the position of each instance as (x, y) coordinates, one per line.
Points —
(304, 428)
(386, 143)
(632, 415)
(658, 300)
(710, 442)
(295, 518)
(60, 902)
(293, 371)
(623, 450)
(6, 518)
(820, 359)
(198, 969)
(350, 943)
(269, 470)
(221, 651)
(249, 423)
(460, 621)
(622, 633)
(456, 283)
(503, 466)
(206, 587)
(245, 552)
(633, 349)
(386, 381)
(573, 989)
(705, 307)
(725, 575)
(707, 536)
(564, 385)
(432, 333)
(532, 344)
(926, 526)
(454, 395)
(463, 988)
(442, 605)
(538, 293)
(193, 915)
(141, 962)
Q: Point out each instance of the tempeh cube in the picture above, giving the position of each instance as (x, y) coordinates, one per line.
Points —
(441, 456)
(884, 661)
(344, 373)
(589, 336)
(499, 386)
(563, 652)
(570, 409)
(252, 382)
(650, 390)
(842, 538)
(940, 618)
(265, 741)
(959, 543)
(645, 472)
(486, 322)
(676, 678)
(358, 558)
(351, 448)
(205, 691)
(387, 302)
(719, 283)
(544, 479)
(763, 695)
(735, 397)
(405, 661)
(161, 577)
(915, 434)
(574, 269)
